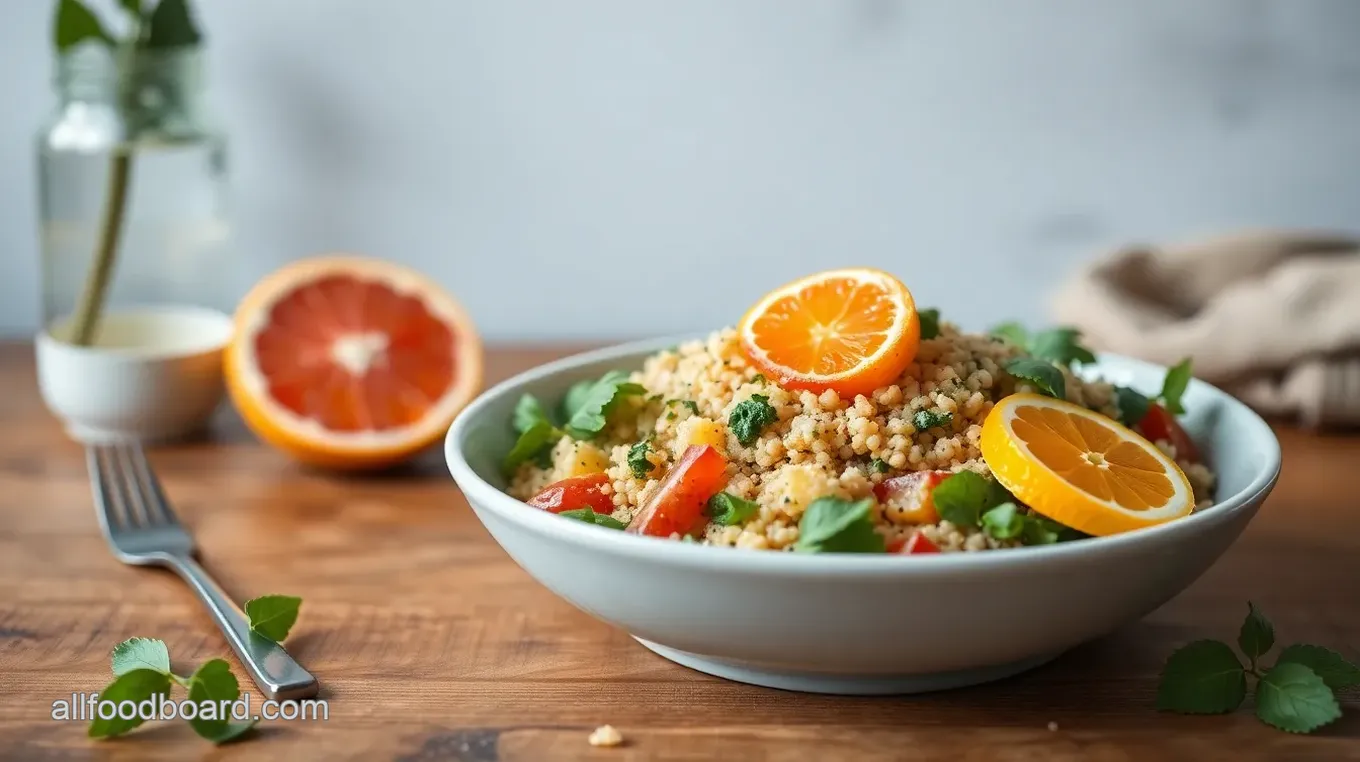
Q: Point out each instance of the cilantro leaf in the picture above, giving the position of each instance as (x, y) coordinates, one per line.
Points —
(691, 405)
(1329, 665)
(591, 409)
(962, 498)
(213, 682)
(1133, 405)
(1012, 333)
(729, 510)
(589, 516)
(929, 419)
(749, 417)
(136, 686)
(1294, 698)
(1060, 345)
(1041, 530)
(1257, 634)
(141, 653)
(833, 525)
(529, 412)
(1174, 385)
(272, 616)
(1203, 677)
(534, 444)
(878, 466)
(1044, 376)
(1003, 522)
(637, 460)
(930, 323)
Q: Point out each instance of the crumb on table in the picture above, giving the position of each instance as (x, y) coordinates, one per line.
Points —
(606, 735)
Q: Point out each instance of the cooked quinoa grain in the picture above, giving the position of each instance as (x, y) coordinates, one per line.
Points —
(786, 448)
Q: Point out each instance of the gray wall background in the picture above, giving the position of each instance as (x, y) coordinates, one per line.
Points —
(610, 168)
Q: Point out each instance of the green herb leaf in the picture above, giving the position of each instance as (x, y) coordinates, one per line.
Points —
(272, 616)
(589, 516)
(528, 413)
(132, 7)
(575, 398)
(1294, 698)
(637, 460)
(925, 420)
(1133, 405)
(1256, 636)
(1060, 345)
(141, 653)
(878, 466)
(171, 25)
(930, 322)
(75, 23)
(1041, 530)
(1174, 385)
(1004, 522)
(1203, 677)
(729, 510)
(691, 405)
(1329, 665)
(749, 417)
(1012, 333)
(962, 498)
(832, 525)
(533, 444)
(209, 686)
(1044, 376)
(135, 686)
(591, 409)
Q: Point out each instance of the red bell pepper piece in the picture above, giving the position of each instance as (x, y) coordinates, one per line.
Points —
(573, 493)
(678, 504)
(912, 495)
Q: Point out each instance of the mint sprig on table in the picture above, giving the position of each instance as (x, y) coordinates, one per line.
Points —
(141, 669)
(1296, 695)
(1133, 405)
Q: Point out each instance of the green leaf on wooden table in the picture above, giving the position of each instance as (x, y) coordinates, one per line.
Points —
(1042, 375)
(272, 616)
(135, 686)
(171, 25)
(75, 23)
(1257, 635)
(209, 687)
(1294, 698)
(141, 653)
(1329, 665)
(1203, 677)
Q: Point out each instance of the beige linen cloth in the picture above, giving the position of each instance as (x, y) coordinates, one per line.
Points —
(1271, 316)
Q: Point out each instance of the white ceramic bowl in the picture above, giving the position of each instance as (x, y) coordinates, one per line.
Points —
(859, 624)
(153, 373)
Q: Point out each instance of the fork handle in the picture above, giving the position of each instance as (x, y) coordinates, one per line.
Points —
(272, 669)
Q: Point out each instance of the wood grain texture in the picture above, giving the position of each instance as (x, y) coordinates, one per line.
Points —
(431, 644)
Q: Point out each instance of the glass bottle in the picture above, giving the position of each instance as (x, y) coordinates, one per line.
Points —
(132, 188)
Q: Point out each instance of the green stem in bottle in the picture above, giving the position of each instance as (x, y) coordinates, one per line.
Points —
(91, 303)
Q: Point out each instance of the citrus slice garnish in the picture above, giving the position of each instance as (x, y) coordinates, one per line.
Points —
(852, 330)
(1080, 468)
(350, 362)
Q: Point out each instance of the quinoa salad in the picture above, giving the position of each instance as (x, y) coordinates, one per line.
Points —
(703, 445)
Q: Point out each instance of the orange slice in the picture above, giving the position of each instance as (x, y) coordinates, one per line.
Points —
(1080, 468)
(853, 331)
(351, 363)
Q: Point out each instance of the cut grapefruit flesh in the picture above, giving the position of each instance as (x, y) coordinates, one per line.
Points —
(351, 362)
(852, 330)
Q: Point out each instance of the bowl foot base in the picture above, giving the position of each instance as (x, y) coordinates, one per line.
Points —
(845, 685)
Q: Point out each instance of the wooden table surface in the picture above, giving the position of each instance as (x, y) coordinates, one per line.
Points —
(431, 644)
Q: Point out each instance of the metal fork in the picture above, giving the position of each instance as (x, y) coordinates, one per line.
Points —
(141, 527)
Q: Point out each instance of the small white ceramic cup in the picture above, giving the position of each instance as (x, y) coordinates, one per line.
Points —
(153, 373)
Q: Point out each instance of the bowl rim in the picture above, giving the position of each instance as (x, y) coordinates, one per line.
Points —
(482, 495)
